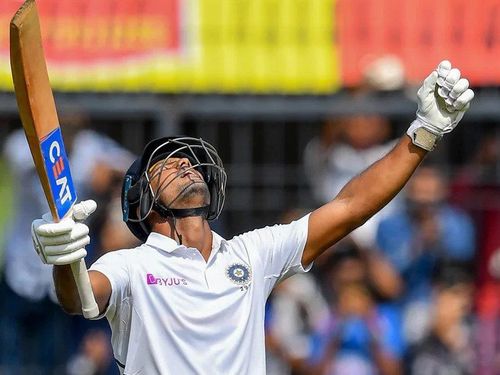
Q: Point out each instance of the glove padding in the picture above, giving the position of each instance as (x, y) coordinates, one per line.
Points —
(63, 242)
(443, 100)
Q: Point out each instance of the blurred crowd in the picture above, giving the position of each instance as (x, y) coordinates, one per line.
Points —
(413, 291)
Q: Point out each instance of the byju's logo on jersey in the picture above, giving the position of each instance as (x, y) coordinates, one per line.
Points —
(164, 281)
(239, 274)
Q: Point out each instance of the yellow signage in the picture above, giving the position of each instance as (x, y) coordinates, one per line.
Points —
(175, 46)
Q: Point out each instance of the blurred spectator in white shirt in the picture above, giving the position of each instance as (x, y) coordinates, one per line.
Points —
(346, 147)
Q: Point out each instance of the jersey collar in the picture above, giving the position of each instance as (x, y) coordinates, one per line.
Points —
(165, 243)
(161, 242)
(217, 242)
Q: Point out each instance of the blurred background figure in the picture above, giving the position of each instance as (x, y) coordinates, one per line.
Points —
(304, 311)
(383, 73)
(293, 309)
(361, 334)
(426, 231)
(29, 313)
(448, 347)
(346, 146)
(476, 190)
(93, 357)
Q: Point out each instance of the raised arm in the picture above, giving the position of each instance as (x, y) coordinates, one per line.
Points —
(442, 101)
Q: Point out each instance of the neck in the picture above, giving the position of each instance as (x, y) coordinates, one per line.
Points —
(194, 231)
(450, 333)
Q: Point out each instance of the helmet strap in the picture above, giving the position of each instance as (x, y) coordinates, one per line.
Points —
(177, 213)
(180, 212)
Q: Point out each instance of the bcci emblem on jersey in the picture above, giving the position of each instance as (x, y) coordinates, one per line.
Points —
(239, 274)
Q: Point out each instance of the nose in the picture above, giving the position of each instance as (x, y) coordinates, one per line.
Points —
(184, 163)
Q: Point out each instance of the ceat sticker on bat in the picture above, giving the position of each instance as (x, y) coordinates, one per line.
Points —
(58, 172)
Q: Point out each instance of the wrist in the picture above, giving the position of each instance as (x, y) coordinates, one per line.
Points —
(423, 134)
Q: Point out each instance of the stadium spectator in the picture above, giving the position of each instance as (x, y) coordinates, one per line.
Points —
(294, 308)
(94, 356)
(477, 190)
(345, 147)
(415, 238)
(360, 335)
(448, 348)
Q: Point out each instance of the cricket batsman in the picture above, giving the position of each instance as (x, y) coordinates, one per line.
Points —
(188, 301)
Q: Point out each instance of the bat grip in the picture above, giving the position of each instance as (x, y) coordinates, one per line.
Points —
(89, 306)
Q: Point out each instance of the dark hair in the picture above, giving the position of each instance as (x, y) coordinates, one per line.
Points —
(342, 252)
(448, 274)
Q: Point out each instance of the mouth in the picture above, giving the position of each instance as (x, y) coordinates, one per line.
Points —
(190, 174)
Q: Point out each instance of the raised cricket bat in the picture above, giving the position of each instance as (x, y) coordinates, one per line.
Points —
(39, 117)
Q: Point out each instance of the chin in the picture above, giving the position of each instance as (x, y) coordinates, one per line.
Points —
(196, 192)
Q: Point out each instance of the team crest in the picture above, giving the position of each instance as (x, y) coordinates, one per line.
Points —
(239, 274)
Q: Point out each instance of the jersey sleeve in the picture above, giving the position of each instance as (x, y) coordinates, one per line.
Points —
(279, 248)
(114, 266)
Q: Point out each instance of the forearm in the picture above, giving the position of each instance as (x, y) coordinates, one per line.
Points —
(322, 367)
(385, 363)
(367, 193)
(387, 366)
(66, 290)
(384, 277)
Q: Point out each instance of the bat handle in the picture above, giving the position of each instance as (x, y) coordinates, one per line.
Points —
(89, 306)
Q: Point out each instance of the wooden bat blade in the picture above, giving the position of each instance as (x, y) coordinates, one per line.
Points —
(38, 114)
(38, 111)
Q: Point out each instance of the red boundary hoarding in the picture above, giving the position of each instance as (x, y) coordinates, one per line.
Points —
(87, 31)
(421, 33)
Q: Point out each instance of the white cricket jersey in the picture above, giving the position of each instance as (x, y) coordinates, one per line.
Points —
(171, 312)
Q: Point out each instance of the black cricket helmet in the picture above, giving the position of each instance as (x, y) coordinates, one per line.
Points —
(139, 199)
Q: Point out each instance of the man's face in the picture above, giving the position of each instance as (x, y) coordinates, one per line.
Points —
(426, 191)
(178, 184)
(454, 303)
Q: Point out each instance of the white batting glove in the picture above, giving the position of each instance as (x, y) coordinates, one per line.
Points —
(63, 242)
(443, 100)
